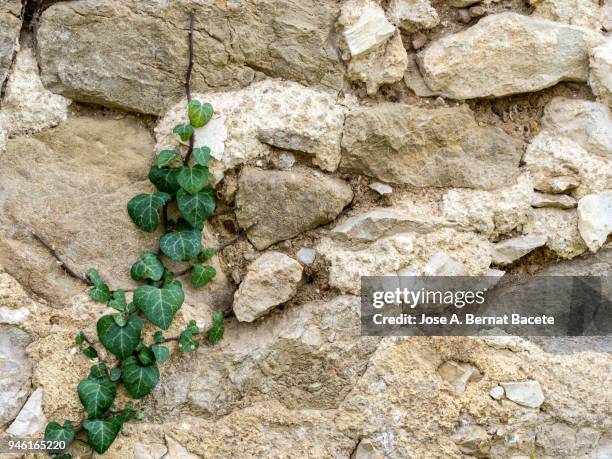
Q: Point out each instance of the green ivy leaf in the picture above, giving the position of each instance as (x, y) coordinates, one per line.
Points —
(159, 305)
(62, 456)
(217, 329)
(186, 341)
(146, 357)
(164, 179)
(199, 113)
(206, 254)
(90, 352)
(139, 380)
(158, 337)
(181, 245)
(161, 353)
(148, 267)
(57, 433)
(118, 300)
(202, 155)
(80, 338)
(101, 433)
(100, 291)
(121, 341)
(202, 275)
(97, 371)
(165, 157)
(115, 374)
(96, 395)
(192, 179)
(185, 131)
(144, 207)
(195, 207)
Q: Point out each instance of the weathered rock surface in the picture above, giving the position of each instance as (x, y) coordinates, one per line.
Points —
(507, 53)
(560, 227)
(442, 264)
(15, 373)
(31, 419)
(606, 15)
(27, 106)
(10, 25)
(414, 79)
(283, 114)
(600, 76)
(427, 147)
(595, 219)
(132, 54)
(283, 204)
(384, 65)
(413, 15)
(366, 450)
(306, 256)
(508, 251)
(472, 440)
(561, 201)
(458, 374)
(270, 280)
(525, 393)
(577, 12)
(363, 26)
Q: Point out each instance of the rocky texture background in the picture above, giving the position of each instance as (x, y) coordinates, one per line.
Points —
(350, 138)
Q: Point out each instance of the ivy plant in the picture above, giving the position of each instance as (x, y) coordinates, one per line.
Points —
(181, 180)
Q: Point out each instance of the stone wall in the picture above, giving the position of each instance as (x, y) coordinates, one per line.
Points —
(350, 138)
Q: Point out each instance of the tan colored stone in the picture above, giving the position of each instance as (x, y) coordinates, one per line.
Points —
(427, 147)
(560, 227)
(576, 12)
(413, 15)
(363, 26)
(10, 25)
(509, 250)
(600, 77)
(561, 201)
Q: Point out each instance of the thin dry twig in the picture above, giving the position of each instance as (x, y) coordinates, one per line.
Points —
(70, 271)
(188, 81)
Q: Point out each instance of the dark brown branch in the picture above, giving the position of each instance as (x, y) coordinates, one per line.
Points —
(188, 82)
(61, 262)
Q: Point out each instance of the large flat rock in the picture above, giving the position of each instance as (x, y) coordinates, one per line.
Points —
(133, 53)
(442, 147)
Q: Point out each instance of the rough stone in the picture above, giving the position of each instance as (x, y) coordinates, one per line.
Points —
(132, 54)
(606, 15)
(508, 251)
(31, 419)
(366, 450)
(414, 80)
(270, 280)
(505, 54)
(15, 373)
(422, 147)
(525, 393)
(600, 77)
(461, 3)
(595, 219)
(441, 264)
(577, 12)
(561, 201)
(13, 316)
(472, 440)
(284, 114)
(283, 204)
(10, 25)
(497, 392)
(177, 451)
(27, 106)
(363, 26)
(306, 256)
(2, 135)
(380, 188)
(458, 374)
(149, 451)
(385, 64)
(413, 15)
(560, 227)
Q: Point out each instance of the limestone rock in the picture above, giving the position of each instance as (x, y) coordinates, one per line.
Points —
(283, 114)
(71, 185)
(2, 135)
(15, 373)
(561, 201)
(133, 54)
(560, 227)
(441, 264)
(458, 374)
(505, 54)
(13, 316)
(497, 392)
(510, 250)
(380, 188)
(525, 393)
(10, 25)
(283, 204)
(149, 451)
(422, 147)
(595, 219)
(600, 77)
(414, 79)
(472, 440)
(385, 64)
(413, 15)
(31, 419)
(461, 3)
(306, 256)
(606, 15)
(177, 451)
(27, 106)
(363, 26)
(270, 280)
(366, 450)
(577, 12)
(492, 213)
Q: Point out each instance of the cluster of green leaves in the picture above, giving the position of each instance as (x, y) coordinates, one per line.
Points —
(186, 187)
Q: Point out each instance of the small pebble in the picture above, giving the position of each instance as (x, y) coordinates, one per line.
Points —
(497, 392)
(381, 188)
(306, 256)
(286, 160)
(418, 40)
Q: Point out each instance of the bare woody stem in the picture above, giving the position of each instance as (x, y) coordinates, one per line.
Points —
(188, 82)
(70, 271)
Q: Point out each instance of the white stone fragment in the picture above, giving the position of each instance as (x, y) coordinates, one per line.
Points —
(560, 201)
(508, 251)
(149, 451)
(286, 160)
(13, 316)
(306, 256)
(595, 219)
(525, 393)
(177, 451)
(497, 392)
(381, 188)
(413, 15)
(364, 25)
(600, 76)
(27, 106)
(31, 419)
(458, 374)
(366, 450)
(441, 264)
(213, 135)
(271, 280)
